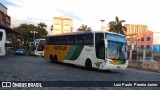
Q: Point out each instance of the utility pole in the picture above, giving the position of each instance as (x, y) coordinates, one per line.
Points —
(34, 34)
(131, 48)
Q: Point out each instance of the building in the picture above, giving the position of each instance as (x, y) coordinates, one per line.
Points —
(131, 36)
(62, 25)
(145, 41)
(135, 28)
(150, 41)
(105, 28)
(5, 20)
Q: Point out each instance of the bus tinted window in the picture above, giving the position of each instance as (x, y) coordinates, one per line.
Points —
(1, 34)
(113, 37)
(82, 39)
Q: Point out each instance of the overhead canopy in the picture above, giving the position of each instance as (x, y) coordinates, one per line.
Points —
(9, 30)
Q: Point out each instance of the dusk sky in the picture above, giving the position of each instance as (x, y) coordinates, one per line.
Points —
(88, 12)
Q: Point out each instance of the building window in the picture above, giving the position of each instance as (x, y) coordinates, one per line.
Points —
(66, 24)
(142, 46)
(0, 16)
(148, 46)
(56, 24)
(148, 38)
(7, 19)
(128, 39)
(56, 29)
(142, 39)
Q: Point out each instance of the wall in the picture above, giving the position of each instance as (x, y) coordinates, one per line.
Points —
(145, 42)
(3, 9)
(149, 66)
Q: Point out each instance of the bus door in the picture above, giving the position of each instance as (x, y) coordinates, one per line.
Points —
(100, 45)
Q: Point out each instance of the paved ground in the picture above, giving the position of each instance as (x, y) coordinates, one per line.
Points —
(32, 68)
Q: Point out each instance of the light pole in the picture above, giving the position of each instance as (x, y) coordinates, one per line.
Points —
(102, 20)
(34, 33)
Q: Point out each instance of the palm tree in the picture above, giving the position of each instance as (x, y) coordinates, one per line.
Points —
(84, 28)
(116, 26)
(42, 25)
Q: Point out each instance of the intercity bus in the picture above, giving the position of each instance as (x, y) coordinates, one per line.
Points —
(37, 47)
(2, 42)
(101, 50)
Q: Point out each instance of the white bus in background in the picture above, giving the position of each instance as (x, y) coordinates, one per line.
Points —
(2, 42)
(37, 47)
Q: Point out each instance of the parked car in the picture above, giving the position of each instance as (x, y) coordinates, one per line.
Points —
(20, 52)
(148, 59)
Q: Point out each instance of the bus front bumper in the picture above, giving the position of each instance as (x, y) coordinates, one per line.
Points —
(112, 66)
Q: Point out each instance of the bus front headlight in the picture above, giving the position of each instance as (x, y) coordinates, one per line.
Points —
(126, 62)
(108, 61)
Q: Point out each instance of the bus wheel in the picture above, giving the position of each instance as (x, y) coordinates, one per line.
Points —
(88, 64)
(51, 59)
(55, 60)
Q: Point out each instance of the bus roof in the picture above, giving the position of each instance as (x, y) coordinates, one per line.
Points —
(85, 32)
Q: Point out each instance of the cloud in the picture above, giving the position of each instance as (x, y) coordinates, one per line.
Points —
(87, 12)
(69, 14)
(7, 3)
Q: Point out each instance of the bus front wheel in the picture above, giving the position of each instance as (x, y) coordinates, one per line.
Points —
(88, 64)
(51, 59)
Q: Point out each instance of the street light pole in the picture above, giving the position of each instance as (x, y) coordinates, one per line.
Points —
(102, 20)
(34, 34)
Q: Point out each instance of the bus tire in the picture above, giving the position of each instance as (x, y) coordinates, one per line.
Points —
(88, 64)
(55, 59)
(51, 59)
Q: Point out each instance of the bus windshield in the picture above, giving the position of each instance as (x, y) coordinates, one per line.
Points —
(116, 48)
(41, 45)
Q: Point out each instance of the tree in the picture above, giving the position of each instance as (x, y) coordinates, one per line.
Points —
(26, 29)
(42, 25)
(84, 28)
(116, 26)
(51, 27)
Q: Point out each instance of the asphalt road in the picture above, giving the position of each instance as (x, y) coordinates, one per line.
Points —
(33, 68)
